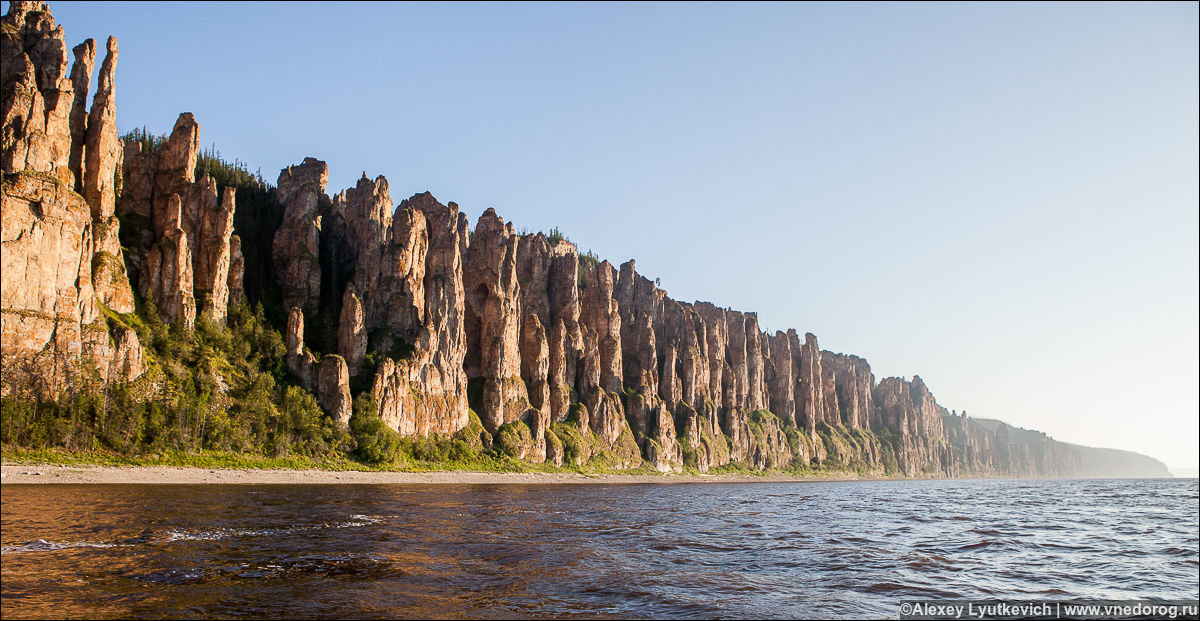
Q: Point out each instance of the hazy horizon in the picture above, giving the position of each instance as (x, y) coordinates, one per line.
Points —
(1001, 199)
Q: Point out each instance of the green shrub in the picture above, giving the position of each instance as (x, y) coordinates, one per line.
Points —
(374, 442)
(514, 439)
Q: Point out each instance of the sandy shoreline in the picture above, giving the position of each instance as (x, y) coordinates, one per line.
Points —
(170, 475)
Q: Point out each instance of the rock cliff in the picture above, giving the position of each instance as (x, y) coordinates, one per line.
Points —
(63, 265)
(562, 356)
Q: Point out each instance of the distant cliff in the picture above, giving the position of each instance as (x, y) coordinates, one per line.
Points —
(407, 314)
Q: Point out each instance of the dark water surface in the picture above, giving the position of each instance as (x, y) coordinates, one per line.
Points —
(715, 550)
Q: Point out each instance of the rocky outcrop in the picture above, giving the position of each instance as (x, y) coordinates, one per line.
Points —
(296, 247)
(237, 269)
(62, 258)
(377, 261)
(328, 378)
(352, 333)
(81, 77)
(426, 391)
(564, 357)
(109, 276)
(299, 361)
(166, 274)
(103, 147)
(48, 307)
(53, 334)
(661, 449)
(600, 384)
(493, 323)
(185, 260)
(547, 275)
(846, 386)
(333, 388)
(782, 375)
(535, 372)
(212, 253)
(38, 94)
(810, 402)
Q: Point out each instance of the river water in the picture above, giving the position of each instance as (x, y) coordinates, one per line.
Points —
(839, 549)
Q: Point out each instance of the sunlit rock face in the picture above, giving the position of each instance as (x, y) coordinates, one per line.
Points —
(493, 322)
(187, 260)
(296, 247)
(409, 309)
(62, 258)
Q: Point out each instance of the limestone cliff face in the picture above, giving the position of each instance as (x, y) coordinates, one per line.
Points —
(38, 93)
(405, 304)
(493, 322)
(847, 383)
(61, 256)
(424, 391)
(328, 378)
(389, 283)
(53, 333)
(600, 384)
(551, 342)
(185, 260)
(296, 247)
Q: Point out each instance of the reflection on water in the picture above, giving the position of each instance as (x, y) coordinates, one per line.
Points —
(717, 550)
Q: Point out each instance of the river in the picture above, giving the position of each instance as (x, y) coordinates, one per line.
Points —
(807, 549)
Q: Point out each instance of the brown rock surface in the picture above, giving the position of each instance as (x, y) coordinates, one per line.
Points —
(212, 251)
(296, 248)
(237, 269)
(352, 334)
(600, 312)
(535, 368)
(109, 277)
(541, 333)
(782, 377)
(600, 384)
(103, 146)
(566, 338)
(166, 273)
(851, 382)
(46, 297)
(300, 362)
(493, 322)
(173, 171)
(185, 214)
(49, 320)
(35, 105)
(60, 255)
(810, 402)
(333, 388)
(639, 301)
(81, 77)
(426, 392)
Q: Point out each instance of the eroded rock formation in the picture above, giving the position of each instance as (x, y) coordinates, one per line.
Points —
(296, 247)
(185, 258)
(564, 358)
(493, 323)
(61, 258)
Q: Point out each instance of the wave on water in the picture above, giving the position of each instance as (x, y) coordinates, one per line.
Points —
(41, 545)
(174, 535)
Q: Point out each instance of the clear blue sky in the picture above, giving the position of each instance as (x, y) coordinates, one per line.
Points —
(1000, 198)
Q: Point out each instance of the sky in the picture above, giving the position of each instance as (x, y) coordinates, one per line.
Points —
(1000, 198)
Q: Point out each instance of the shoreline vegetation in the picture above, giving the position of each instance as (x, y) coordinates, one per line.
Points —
(60, 466)
(210, 467)
(19, 473)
